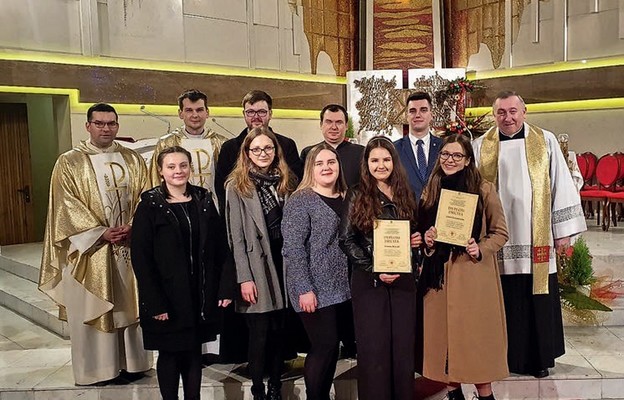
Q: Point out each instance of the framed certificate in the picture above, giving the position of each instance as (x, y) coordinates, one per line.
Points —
(392, 253)
(456, 213)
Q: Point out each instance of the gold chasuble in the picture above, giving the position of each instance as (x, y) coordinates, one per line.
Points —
(91, 190)
(204, 152)
(539, 173)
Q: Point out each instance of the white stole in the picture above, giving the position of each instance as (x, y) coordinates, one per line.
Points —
(113, 178)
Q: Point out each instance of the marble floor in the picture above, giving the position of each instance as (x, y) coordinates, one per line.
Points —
(35, 364)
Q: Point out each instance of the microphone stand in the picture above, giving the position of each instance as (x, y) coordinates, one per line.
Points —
(144, 111)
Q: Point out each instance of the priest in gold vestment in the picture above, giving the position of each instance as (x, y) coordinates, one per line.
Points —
(86, 270)
(203, 143)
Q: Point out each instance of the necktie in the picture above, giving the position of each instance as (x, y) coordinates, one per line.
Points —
(422, 161)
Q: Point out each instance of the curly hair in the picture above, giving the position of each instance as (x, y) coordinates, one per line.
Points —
(239, 177)
(366, 205)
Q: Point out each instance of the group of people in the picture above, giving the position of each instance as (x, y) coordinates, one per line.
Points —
(249, 221)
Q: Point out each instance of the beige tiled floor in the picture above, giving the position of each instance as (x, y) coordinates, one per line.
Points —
(36, 364)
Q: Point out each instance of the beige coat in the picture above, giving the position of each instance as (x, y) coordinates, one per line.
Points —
(466, 319)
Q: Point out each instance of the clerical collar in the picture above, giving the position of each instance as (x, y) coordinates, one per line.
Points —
(92, 147)
(335, 146)
(518, 135)
(189, 135)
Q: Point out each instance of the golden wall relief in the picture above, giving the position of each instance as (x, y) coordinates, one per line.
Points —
(403, 34)
(331, 26)
(468, 23)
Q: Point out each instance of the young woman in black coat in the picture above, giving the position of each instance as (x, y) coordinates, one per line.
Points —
(181, 261)
(384, 305)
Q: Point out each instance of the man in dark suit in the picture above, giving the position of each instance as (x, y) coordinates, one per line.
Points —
(418, 150)
(334, 119)
(257, 111)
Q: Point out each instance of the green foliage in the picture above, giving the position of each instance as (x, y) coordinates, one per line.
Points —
(578, 300)
(350, 133)
(580, 271)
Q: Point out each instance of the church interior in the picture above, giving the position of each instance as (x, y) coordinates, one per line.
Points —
(58, 57)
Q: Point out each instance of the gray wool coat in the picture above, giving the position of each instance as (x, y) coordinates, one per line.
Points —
(249, 240)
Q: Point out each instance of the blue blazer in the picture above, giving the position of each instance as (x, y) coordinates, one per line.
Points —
(404, 148)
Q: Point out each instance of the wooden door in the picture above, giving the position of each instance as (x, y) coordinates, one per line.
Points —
(16, 207)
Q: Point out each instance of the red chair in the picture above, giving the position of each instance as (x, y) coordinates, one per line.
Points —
(592, 162)
(615, 199)
(583, 165)
(607, 173)
(619, 185)
(587, 166)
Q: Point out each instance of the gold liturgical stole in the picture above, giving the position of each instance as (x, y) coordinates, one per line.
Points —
(539, 174)
(203, 164)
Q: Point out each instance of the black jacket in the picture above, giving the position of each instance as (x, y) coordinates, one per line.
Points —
(229, 154)
(163, 269)
(358, 245)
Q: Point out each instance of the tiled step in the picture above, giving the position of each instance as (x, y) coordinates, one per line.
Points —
(27, 268)
(22, 296)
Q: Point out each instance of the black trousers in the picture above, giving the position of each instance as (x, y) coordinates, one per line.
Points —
(346, 330)
(266, 346)
(534, 324)
(320, 364)
(385, 318)
(172, 365)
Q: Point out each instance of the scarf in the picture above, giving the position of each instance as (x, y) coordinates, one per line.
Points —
(539, 173)
(433, 266)
(269, 200)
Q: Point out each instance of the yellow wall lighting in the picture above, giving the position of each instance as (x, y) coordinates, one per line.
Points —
(135, 109)
(560, 106)
(112, 62)
(547, 68)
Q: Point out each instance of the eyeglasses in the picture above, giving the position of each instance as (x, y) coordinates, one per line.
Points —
(457, 157)
(256, 151)
(102, 124)
(260, 113)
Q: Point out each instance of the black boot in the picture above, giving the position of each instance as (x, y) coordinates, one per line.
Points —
(258, 392)
(274, 392)
(490, 397)
(456, 394)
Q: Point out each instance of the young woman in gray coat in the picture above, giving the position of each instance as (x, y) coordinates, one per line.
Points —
(317, 275)
(255, 194)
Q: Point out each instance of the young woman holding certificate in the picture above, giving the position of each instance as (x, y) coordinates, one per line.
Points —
(316, 268)
(384, 304)
(465, 339)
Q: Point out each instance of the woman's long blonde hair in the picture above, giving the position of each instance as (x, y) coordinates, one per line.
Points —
(308, 181)
(239, 177)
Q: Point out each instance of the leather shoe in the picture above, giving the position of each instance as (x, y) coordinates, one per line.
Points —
(542, 373)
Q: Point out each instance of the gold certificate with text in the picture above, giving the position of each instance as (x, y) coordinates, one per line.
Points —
(392, 253)
(456, 213)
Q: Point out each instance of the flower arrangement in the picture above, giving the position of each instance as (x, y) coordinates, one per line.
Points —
(472, 126)
(461, 85)
(583, 294)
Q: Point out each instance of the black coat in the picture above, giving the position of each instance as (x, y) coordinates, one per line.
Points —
(229, 154)
(163, 269)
